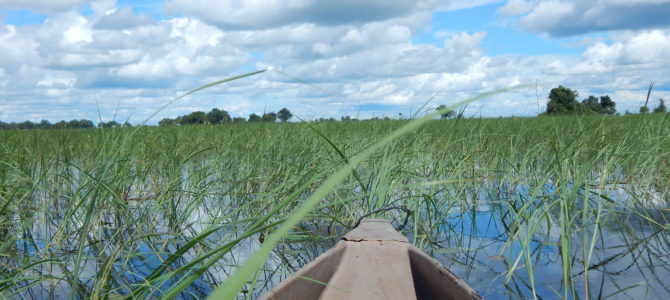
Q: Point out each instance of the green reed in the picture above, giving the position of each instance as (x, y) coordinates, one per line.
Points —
(163, 212)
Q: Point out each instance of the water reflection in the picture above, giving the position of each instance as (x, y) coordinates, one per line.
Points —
(620, 249)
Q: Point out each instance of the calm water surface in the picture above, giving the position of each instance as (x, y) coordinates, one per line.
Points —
(481, 242)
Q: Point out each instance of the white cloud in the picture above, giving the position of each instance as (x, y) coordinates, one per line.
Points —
(122, 18)
(108, 58)
(17, 49)
(647, 47)
(367, 64)
(56, 82)
(42, 5)
(643, 51)
(635, 2)
(79, 31)
(464, 44)
(515, 8)
(573, 17)
(147, 68)
(549, 14)
(276, 13)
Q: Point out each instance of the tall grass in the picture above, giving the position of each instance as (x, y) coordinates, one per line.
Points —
(173, 212)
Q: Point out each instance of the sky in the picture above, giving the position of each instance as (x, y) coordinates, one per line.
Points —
(125, 60)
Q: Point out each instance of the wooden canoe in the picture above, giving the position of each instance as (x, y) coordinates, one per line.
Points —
(373, 261)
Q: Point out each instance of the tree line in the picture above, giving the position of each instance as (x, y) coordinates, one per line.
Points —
(218, 116)
(658, 109)
(215, 116)
(563, 101)
(74, 123)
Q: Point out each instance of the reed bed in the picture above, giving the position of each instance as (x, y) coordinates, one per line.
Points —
(548, 207)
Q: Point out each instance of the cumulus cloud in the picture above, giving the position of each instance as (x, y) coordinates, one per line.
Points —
(622, 68)
(99, 59)
(464, 44)
(123, 18)
(17, 49)
(71, 59)
(549, 14)
(645, 50)
(515, 8)
(114, 57)
(562, 18)
(256, 14)
(42, 5)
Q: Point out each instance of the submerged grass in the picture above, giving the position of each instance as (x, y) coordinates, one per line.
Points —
(173, 212)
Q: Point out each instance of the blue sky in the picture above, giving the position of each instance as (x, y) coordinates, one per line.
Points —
(501, 39)
(65, 59)
(22, 17)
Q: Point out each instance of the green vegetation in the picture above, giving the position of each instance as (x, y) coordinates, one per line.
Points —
(45, 124)
(218, 116)
(448, 113)
(563, 101)
(167, 211)
(661, 107)
(164, 212)
(284, 114)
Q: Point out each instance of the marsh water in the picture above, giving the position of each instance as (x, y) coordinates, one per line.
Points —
(618, 253)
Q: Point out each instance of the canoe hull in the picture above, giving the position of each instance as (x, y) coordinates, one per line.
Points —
(373, 261)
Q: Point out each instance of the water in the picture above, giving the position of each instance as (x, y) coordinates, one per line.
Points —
(481, 239)
(475, 248)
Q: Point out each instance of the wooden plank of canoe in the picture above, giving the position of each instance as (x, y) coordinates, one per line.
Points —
(373, 261)
(372, 270)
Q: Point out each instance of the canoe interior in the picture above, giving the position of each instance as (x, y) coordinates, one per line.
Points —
(373, 261)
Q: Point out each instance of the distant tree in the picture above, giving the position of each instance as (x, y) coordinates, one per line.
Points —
(348, 119)
(61, 124)
(661, 107)
(239, 120)
(607, 105)
(448, 113)
(44, 124)
(269, 117)
(167, 122)
(196, 117)
(127, 124)
(26, 125)
(562, 101)
(110, 124)
(254, 118)
(284, 114)
(217, 116)
(592, 103)
(83, 123)
(644, 109)
(604, 105)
